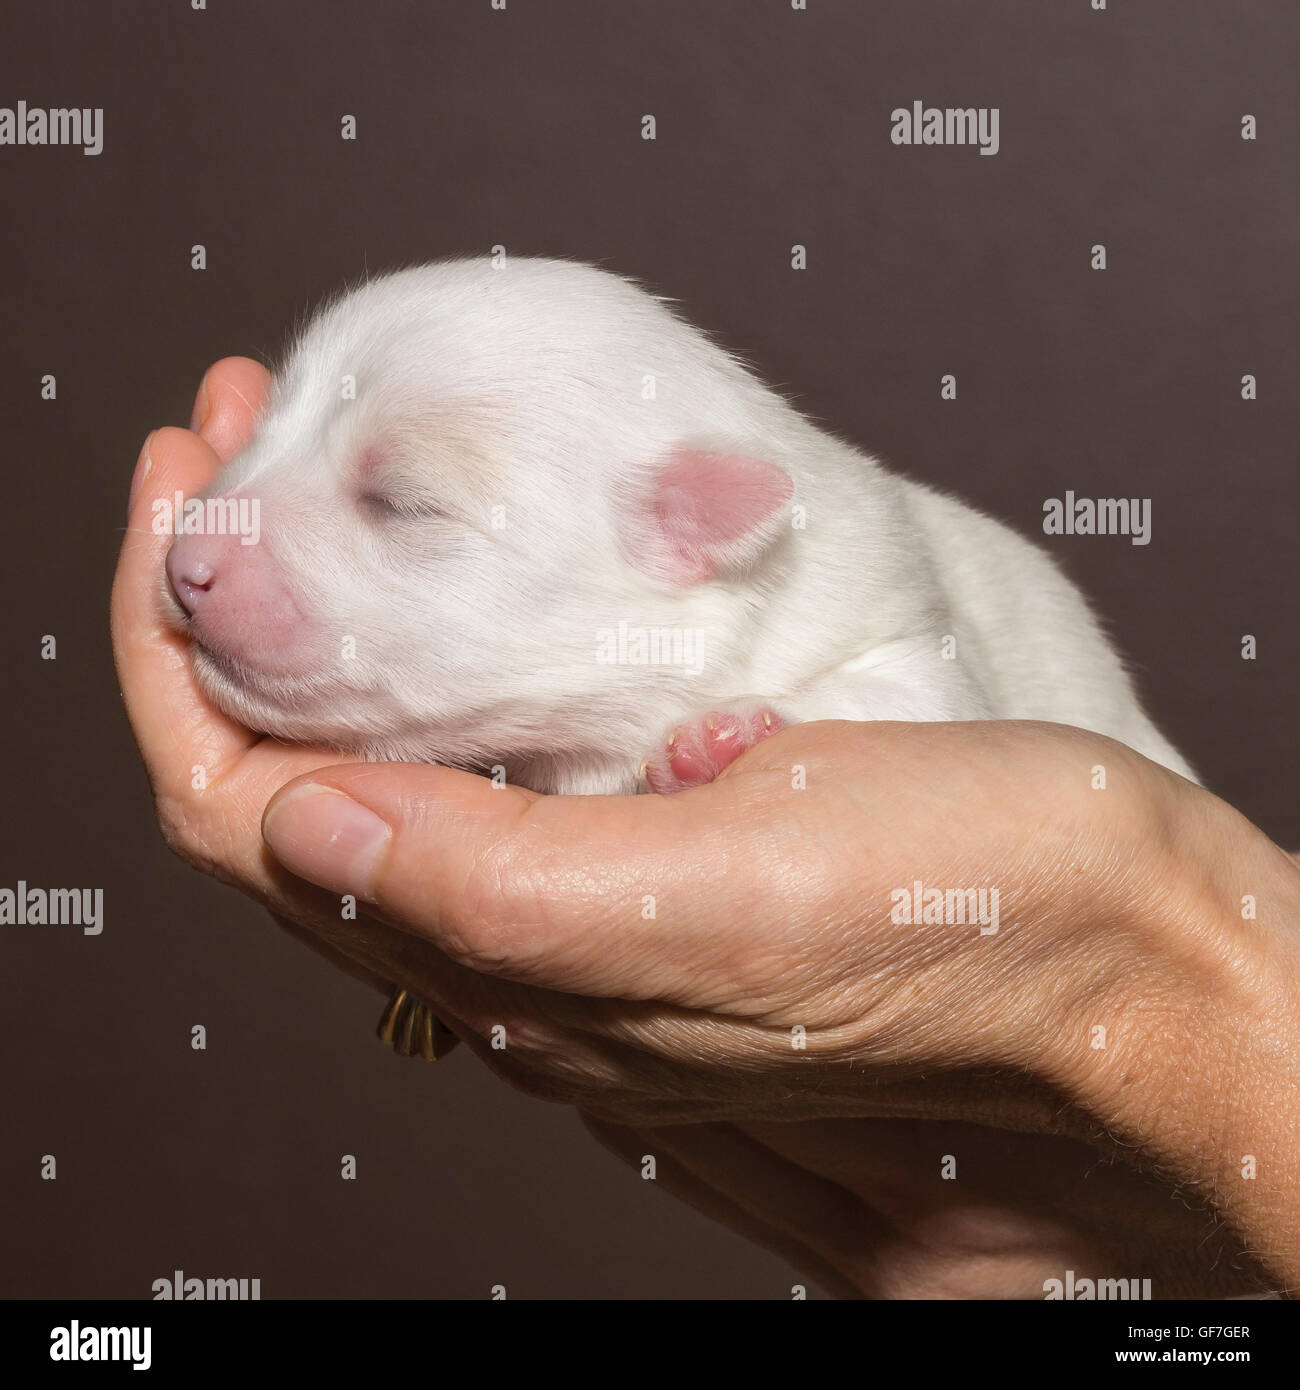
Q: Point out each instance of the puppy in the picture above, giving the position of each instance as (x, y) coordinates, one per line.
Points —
(528, 519)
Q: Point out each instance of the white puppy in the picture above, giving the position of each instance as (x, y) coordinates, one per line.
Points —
(528, 518)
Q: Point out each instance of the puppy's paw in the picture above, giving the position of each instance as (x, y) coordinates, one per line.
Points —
(696, 751)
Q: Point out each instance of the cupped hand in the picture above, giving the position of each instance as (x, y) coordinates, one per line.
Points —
(737, 955)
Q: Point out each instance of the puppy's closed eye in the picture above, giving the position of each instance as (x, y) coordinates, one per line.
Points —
(391, 487)
(398, 505)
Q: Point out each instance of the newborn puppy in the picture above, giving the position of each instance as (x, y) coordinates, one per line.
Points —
(527, 518)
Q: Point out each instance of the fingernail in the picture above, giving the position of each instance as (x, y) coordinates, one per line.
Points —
(143, 464)
(327, 838)
(202, 407)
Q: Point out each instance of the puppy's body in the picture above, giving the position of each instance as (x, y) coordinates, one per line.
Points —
(469, 477)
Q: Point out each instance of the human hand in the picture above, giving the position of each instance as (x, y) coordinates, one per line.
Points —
(771, 894)
(934, 1209)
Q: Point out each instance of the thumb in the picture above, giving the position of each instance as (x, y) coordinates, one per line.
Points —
(596, 895)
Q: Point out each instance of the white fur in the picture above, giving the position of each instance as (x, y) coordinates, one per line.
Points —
(524, 389)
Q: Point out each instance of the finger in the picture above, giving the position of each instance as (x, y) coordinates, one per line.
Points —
(196, 756)
(175, 724)
(359, 967)
(743, 1204)
(384, 957)
(230, 399)
(591, 895)
(522, 1033)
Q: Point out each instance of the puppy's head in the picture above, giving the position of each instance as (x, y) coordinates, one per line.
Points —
(464, 478)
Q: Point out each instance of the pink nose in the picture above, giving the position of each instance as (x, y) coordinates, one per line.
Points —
(237, 601)
(191, 571)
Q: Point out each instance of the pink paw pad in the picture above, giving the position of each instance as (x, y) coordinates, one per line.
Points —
(696, 752)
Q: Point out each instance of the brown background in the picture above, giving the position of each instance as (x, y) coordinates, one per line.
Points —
(523, 128)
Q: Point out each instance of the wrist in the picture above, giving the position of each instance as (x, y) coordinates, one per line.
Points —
(1190, 1056)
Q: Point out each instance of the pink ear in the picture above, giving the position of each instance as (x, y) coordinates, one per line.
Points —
(713, 512)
